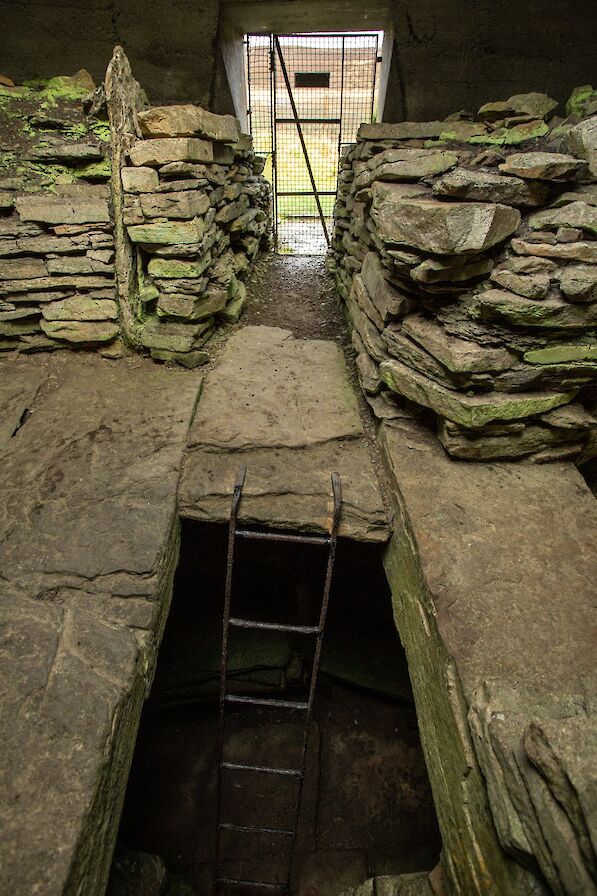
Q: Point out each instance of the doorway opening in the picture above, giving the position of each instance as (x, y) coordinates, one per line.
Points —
(366, 807)
(307, 94)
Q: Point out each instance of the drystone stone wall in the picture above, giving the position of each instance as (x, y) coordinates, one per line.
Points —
(56, 235)
(197, 209)
(466, 252)
(122, 227)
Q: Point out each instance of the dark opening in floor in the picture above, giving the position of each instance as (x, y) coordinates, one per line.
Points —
(367, 807)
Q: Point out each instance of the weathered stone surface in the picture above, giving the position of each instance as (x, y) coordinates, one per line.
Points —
(582, 101)
(360, 295)
(405, 164)
(185, 204)
(450, 270)
(22, 269)
(175, 149)
(83, 264)
(529, 265)
(582, 141)
(575, 214)
(66, 152)
(521, 105)
(85, 592)
(411, 354)
(486, 186)
(579, 282)
(80, 331)
(532, 286)
(16, 398)
(168, 233)
(444, 228)
(291, 431)
(385, 297)
(583, 251)
(192, 307)
(234, 308)
(367, 330)
(177, 267)
(466, 639)
(558, 354)
(188, 121)
(139, 180)
(190, 360)
(521, 312)
(56, 210)
(458, 355)
(541, 165)
(491, 446)
(80, 307)
(53, 283)
(170, 336)
(470, 411)
(421, 130)
(368, 374)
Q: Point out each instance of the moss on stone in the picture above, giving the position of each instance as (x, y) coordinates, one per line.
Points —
(51, 90)
(579, 99)
(101, 129)
(513, 136)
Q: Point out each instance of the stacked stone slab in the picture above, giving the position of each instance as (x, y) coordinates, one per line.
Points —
(466, 252)
(56, 235)
(197, 208)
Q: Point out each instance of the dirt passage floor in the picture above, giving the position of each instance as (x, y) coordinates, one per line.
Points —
(295, 293)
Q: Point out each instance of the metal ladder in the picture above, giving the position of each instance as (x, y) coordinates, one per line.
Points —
(224, 884)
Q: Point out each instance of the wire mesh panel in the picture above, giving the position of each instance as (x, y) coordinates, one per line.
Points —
(321, 87)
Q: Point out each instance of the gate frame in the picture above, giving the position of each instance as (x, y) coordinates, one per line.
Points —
(275, 51)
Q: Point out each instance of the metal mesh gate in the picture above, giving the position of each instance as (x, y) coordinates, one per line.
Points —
(307, 96)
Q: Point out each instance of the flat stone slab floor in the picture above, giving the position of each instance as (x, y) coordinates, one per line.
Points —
(285, 408)
(90, 455)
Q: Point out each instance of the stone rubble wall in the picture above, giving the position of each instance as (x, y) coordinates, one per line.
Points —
(197, 209)
(111, 238)
(466, 253)
(57, 280)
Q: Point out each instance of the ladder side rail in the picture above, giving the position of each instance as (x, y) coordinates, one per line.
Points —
(236, 498)
(337, 498)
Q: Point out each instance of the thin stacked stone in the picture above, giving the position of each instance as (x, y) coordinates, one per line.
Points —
(466, 252)
(197, 208)
(57, 284)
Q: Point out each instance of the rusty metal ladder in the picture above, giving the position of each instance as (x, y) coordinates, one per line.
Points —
(224, 884)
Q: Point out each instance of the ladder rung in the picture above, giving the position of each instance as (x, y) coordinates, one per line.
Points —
(264, 885)
(274, 626)
(280, 536)
(266, 701)
(251, 829)
(263, 769)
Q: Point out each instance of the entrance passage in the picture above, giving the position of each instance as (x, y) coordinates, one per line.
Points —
(366, 805)
(307, 96)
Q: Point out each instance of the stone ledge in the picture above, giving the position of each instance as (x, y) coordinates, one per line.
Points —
(285, 408)
(88, 548)
(492, 570)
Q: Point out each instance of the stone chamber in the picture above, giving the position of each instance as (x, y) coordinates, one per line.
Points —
(442, 359)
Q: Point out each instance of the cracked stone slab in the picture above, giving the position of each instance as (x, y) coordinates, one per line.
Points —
(90, 452)
(285, 408)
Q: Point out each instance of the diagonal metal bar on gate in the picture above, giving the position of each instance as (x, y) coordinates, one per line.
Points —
(301, 137)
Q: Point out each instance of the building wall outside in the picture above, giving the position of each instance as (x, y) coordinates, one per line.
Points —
(447, 53)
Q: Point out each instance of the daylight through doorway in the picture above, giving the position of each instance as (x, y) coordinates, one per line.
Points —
(307, 96)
